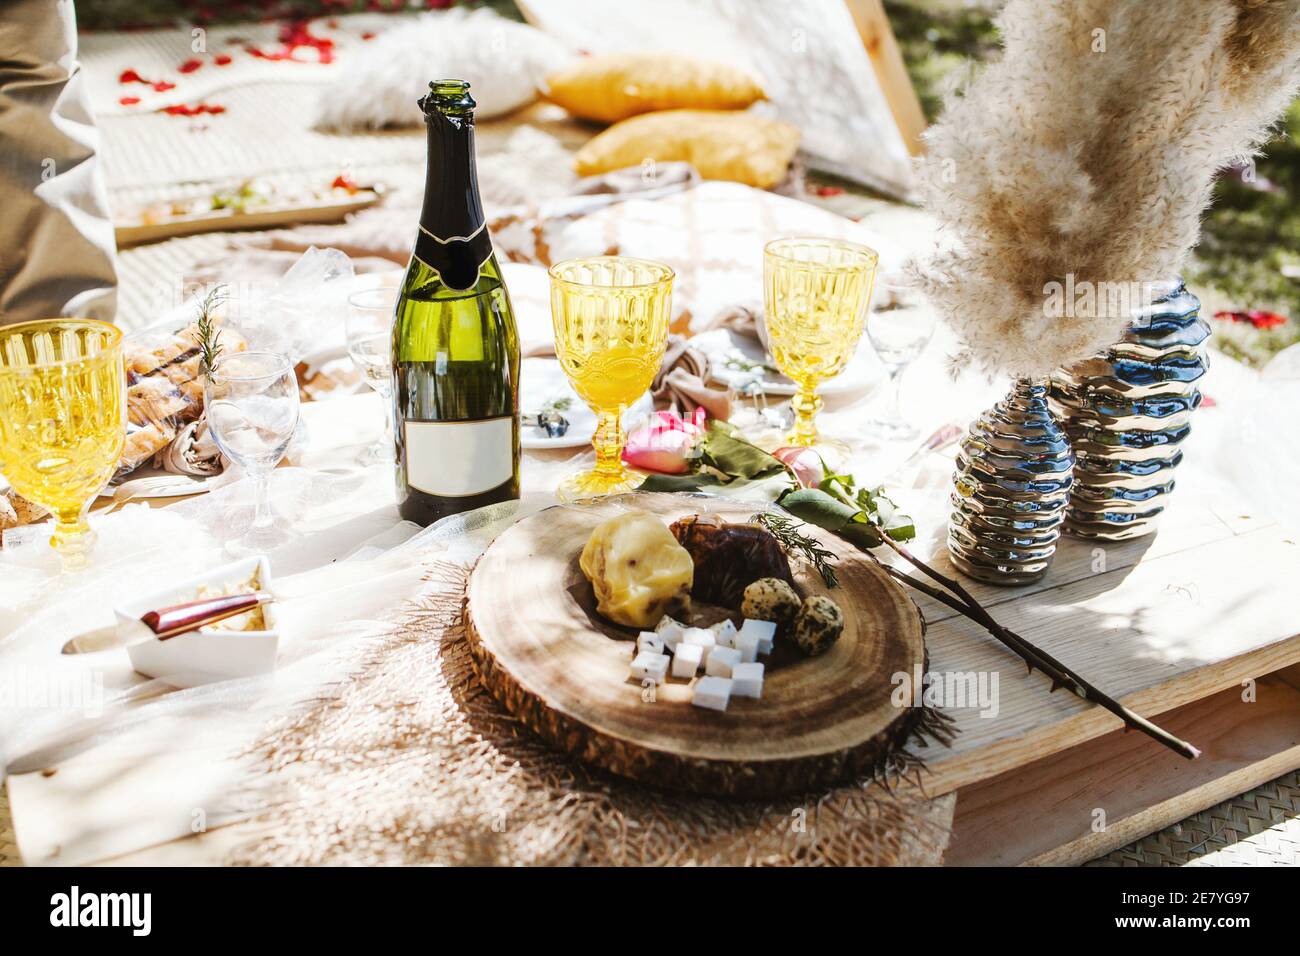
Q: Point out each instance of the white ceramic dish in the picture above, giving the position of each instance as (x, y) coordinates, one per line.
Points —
(203, 657)
(541, 380)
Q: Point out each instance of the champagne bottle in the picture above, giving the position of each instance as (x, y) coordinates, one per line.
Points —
(455, 344)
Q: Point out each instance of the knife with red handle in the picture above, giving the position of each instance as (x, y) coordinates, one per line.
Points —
(166, 622)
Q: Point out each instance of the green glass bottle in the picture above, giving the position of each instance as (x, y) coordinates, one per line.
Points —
(455, 344)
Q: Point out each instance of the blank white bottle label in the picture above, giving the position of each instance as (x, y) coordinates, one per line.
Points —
(457, 459)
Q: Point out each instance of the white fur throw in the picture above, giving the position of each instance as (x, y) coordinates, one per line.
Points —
(503, 61)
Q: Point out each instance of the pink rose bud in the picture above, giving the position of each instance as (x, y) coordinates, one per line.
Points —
(667, 444)
(806, 464)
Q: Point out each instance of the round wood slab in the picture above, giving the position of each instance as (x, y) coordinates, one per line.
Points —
(542, 649)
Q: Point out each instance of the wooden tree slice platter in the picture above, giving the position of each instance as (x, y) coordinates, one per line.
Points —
(559, 667)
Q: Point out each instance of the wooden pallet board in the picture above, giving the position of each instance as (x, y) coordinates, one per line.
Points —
(1181, 624)
(1091, 799)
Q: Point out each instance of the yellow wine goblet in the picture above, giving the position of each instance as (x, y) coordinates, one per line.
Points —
(816, 293)
(611, 327)
(62, 420)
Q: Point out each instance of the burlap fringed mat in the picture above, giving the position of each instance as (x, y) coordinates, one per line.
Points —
(411, 761)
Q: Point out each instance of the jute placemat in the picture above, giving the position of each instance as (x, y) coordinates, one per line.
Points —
(412, 761)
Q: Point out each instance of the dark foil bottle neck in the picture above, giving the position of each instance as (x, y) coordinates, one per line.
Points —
(452, 208)
(453, 239)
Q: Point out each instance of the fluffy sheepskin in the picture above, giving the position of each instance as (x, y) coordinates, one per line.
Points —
(1090, 149)
(504, 62)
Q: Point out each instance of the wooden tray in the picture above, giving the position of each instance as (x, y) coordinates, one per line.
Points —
(129, 233)
(540, 647)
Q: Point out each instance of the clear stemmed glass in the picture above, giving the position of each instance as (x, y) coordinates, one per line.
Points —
(369, 327)
(899, 329)
(816, 293)
(611, 327)
(62, 421)
(252, 407)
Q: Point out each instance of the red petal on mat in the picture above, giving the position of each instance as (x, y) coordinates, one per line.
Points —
(162, 86)
(828, 190)
(184, 109)
(1207, 401)
(189, 66)
(129, 100)
(222, 59)
(368, 35)
(131, 76)
(1259, 318)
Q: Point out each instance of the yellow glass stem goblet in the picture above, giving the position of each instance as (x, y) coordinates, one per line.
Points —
(611, 326)
(816, 293)
(62, 420)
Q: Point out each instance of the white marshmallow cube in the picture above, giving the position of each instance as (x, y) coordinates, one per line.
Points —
(712, 692)
(765, 631)
(649, 641)
(702, 637)
(671, 631)
(721, 661)
(650, 666)
(747, 644)
(747, 680)
(724, 633)
(687, 660)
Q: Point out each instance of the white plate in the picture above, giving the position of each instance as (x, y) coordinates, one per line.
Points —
(541, 380)
(723, 344)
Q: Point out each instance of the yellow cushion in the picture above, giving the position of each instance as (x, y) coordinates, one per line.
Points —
(720, 144)
(613, 87)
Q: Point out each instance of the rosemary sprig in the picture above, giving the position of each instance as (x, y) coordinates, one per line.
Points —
(793, 541)
(206, 333)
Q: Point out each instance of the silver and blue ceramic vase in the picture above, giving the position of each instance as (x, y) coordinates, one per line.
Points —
(1010, 490)
(1127, 413)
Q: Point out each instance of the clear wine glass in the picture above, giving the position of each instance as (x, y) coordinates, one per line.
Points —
(369, 327)
(899, 328)
(251, 403)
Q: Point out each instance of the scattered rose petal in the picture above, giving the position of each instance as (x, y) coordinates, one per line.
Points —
(222, 59)
(162, 86)
(129, 100)
(828, 190)
(1258, 318)
(344, 181)
(131, 76)
(368, 35)
(189, 66)
(184, 109)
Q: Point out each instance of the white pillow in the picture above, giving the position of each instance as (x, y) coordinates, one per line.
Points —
(379, 84)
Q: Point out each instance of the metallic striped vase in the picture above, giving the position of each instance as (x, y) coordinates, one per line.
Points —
(1127, 413)
(1010, 490)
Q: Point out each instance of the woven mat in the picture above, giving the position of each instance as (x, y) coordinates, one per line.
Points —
(1259, 828)
(414, 762)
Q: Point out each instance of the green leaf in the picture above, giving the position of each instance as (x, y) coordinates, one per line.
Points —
(695, 482)
(724, 450)
(817, 507)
